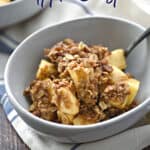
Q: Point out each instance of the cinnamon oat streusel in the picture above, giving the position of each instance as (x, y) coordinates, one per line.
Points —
(80, 84)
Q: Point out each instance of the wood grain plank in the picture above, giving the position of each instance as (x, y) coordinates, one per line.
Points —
(9, 140)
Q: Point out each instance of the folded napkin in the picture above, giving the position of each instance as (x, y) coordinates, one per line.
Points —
(133, 139)
(62, 11)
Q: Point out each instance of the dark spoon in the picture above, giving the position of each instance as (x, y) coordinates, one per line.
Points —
(137, 41)
(146, 148)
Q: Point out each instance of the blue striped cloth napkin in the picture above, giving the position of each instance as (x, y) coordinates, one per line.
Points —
(12, 36)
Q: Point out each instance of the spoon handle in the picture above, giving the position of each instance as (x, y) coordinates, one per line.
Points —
(137, 41)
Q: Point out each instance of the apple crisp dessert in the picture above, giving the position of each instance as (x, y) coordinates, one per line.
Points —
(80, 84)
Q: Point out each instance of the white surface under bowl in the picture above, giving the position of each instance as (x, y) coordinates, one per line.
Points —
(143, 5)
(111, 32)
(17, 11)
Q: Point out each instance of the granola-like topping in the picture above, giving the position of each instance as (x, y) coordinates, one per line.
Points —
(116, 92)
(75, 85)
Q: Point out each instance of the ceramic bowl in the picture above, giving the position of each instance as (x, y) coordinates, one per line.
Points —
(17, 11)
(108, 31)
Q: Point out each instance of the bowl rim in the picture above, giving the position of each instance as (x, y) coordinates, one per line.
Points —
(10, 3)
(25, 112)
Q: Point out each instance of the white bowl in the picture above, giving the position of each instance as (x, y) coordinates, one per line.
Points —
(17, 11)
(111, 32)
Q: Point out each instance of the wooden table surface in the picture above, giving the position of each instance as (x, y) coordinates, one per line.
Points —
(9, 140)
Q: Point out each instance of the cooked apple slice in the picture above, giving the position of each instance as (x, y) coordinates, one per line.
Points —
(117, 59)
(2, 2)
(133, 89)
(79, 75)
(65, 118)
(45, 70)
(118, 75)
(82, 45)
(68, 102)
(82, 120)
(6, 1)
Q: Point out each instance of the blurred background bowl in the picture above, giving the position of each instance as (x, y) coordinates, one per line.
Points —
(17, 11)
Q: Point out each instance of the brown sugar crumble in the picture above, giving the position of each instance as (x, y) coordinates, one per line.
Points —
(77, 84)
